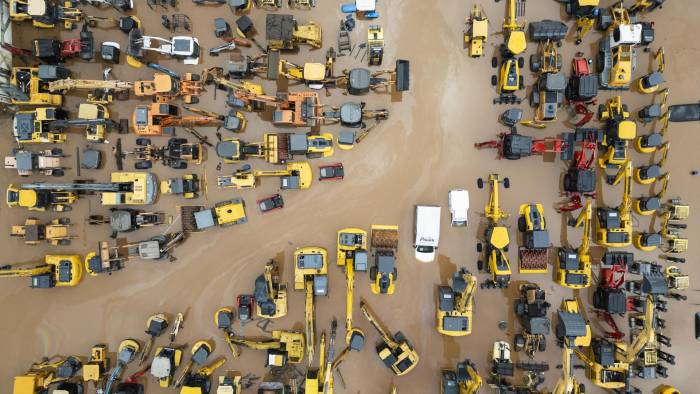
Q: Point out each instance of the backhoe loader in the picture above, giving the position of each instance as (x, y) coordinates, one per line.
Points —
(513, 31)
(56, 271)
(230, 383)
(233, 121)
(650, 83)
(128, 349)
(496, 237)
(185, 48)
(455, 304)
(46, 14)
(33, 231)
(164, 88)
(127, 220)
(199, 382)
(352, 256)
(573, 331)
(395, 351)
(270, 294)
(283, 32)
(31, 84)
(614, 225)
(40, 200)
(574, 266)
(465, 379)
(476, 32)
(160, 118)
(284, 347)
(279, 148)
(352, 114)
(619, 130)
(311, 275)
(233, 150)
(297, 176)
(606, 366)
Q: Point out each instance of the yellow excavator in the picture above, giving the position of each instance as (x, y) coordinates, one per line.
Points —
(56, 374)
(321, 380)
(56, 271)
(200, 352)
(455, 304)
(298, 175)
(651, 82)
(311, 275)
(648, 174)
(573, 330)
(574, 267)
(200, 381)
(605, 365)
(270, 294)
(464, 380)
(223, 318)
(513, 32)
(126, 353)
(619, 130)
(284, 347)
(395, 351)
(352, 255)
(496, 235)
(648, 205)
(100, 91)
(614, 225)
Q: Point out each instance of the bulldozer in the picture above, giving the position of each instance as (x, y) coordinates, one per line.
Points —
(279, 148)
(476, 32)
(224, 214)
(127, 220)
(30, 85)
(283, 32)
(395, 351)
(164, 88)
(465, 379)
(297, 176)
(619, 130)
(162, 118)
(284, 347)
(572, 330)
(384, 243)
(358, 81)
(233, 150)
(496, 237)
(352, 256)
(270, 294)
(614, 225)
(46, 14)
(55, 271)
(573, 269)
(300, 109)
(455, 304)
(33, 231)
(311, 275)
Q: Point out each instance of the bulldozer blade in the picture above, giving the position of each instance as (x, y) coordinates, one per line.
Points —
(402, 75)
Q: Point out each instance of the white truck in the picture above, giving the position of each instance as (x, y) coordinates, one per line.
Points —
(458, 202)
(427, 232)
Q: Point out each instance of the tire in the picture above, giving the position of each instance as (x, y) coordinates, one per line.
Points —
(521, 82)
(194, 100)
(64, 221)
(518, 342)
(480, 265)
(57, 151)
(494, 80)
(396, 274)
(480, 183)
(195, 77)
(506, 182)
(143, 165)
(534, 63)
(521, 224)
(600, 62)
(624, 108)
(505, 249)
(141, 141)
(519, 308)
(494, 62)
(521, 62)
(373, 273)
(542, 346)
(57, 173)
(479, 247)
(534, 99)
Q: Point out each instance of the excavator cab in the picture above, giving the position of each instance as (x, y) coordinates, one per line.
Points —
(270, 295)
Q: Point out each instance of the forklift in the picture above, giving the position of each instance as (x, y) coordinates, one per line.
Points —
(395, 351)
(55, 271)
(270, 294)
(496, 237)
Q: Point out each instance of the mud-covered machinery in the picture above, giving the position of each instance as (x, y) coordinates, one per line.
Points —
(29, 85)
(177, 154)
(531, 309)
(127, 220)
(619, 130)
(199, 381)
(34, 231)
(187, 186)
(280, 148)
(57, 374)
(284, 347)
(534, 251)
(353, 114)
(161, 118)
(614, 225)
(283, 32)
(233, 150)
(573, 268)
(476, 32)
(496, 237)
(465, 379)
(99, 91)
(455, 304)
(606, 366)
(164, 88)
(321, 380)
(46, 14)
(297, 176)
(55, 271)
(395, 351)
(311, 276)
(384, 242)
(572, 330)
(224, 214)
(45, 162)
(270, 293)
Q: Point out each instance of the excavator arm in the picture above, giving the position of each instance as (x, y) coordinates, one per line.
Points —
(263, 344)
(584, 219)
(467, 293)
(647, 335)
(566, 383)
(350, 279)
(11, 272)
(64, 85)
(309, 318)
(377, 326)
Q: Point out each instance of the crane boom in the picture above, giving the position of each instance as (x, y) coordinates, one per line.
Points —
(115, 187)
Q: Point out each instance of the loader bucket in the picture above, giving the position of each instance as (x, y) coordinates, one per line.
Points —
(402, 75)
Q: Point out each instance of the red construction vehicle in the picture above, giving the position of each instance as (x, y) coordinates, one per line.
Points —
(582, 90)
(580, 179)
(514, 146)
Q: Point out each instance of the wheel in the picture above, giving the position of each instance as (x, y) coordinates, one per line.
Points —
(534, 63)
(506, 182)
(521, 82)
(494, 62)
(396, 274)
(494, 80)
(194, 100)
(64, 242)
(480, 183)
(373, 273)
(534, 98)
(518, 342)
(519, 308)
(480, 265)
(600, 62)
(64, 221)
(505, 248)
(542, 346)
(56, 152)
(57, 173)
(521, 224)
(624, 108)
(141, 141)
(195, 77)
(479, 247)
(521, 62)
(143, 165)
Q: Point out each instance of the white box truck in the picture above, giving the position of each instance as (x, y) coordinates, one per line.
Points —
(427, 232)
(458, 201)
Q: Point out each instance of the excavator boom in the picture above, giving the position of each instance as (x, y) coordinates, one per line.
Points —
(67, 84)
(25, 272)
(466, 295)
(584, 219)
(90, 187)
(377, 326)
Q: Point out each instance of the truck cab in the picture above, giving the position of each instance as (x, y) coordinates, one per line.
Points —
(427, 232)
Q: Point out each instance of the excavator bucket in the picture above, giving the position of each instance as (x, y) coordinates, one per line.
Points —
(402, 75)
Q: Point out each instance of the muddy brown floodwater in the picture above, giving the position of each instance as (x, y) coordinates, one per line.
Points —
(421, 152)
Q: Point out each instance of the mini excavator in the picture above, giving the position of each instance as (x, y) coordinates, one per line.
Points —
(395, 351)
(352, 255)
(573, 330)
(284, 347)
(650, 83)
(298, 175)
(128, 349)
(56, 271)
(199, 382)
(270, 294)
(650, 173)
(455, 304)
(574, 266)
(311, 275)
(464, 380)
(496, 236)
(619, 130)
(614, 225)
